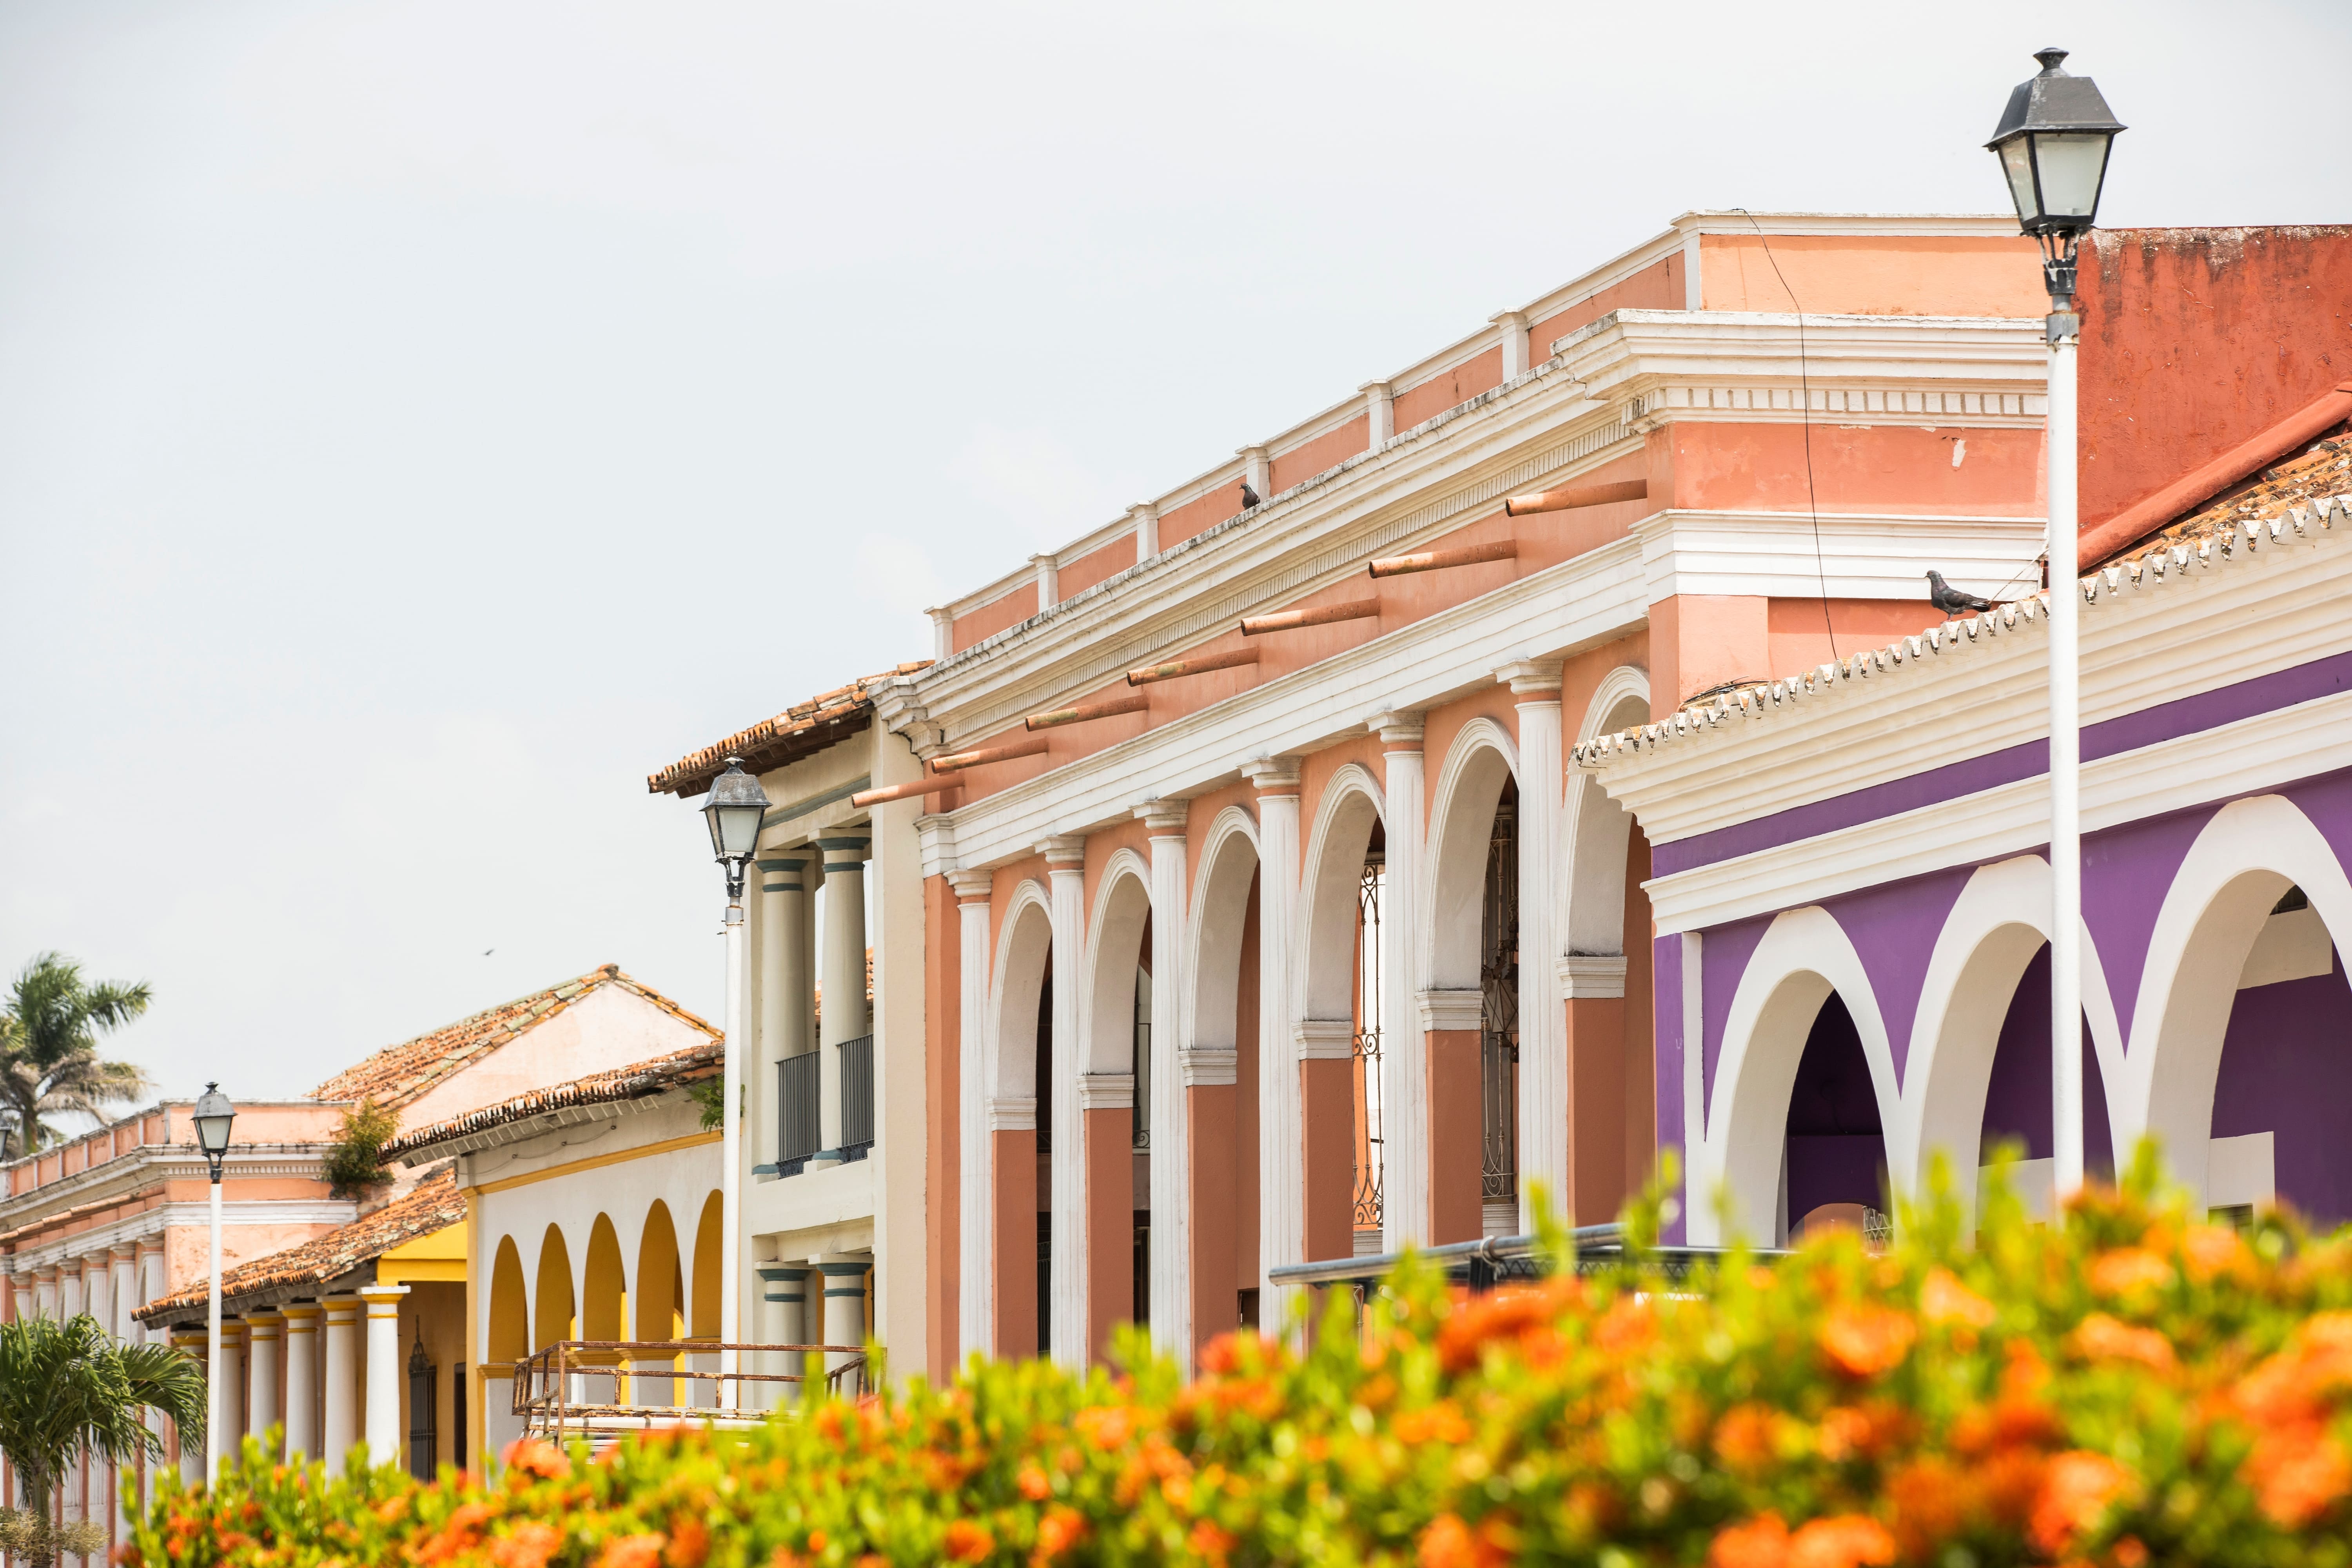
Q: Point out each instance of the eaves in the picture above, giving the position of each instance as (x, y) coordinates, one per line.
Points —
(524, 1131)
(1627, 351)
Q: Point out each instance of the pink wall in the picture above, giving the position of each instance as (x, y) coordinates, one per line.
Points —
(989, 619)
(1873, 275)
(1440, 392)
(1658, 287)
(1096, 566)
(607, 1028)
(1328, 450)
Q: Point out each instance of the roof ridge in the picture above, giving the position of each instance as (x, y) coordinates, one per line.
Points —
(626, 1082)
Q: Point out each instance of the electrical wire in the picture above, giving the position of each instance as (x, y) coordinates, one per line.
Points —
(1805, 419)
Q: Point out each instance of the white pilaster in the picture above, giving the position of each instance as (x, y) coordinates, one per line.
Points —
(845, 1305)
(44, 1291)
(1257, 470)
(844, 1014)
(942, 631)
(122, 1287)
(1067, 871)
(1543, 1017)
(1404, 1047)
(1281, 1155)
(1145, 518)
(342, 1380)
(383, 1372)
(1513, 326)
(1171, 1135)
(302, 1380)
(263, 1338)
(1380, 413)
(1049, 580)
(976, 1176)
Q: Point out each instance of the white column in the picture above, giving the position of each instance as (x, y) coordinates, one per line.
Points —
(784, 1296)
(1281, 1155)
(1543, 1016)
(844, 1013)
(976, 1183)
(232, 1389)
(383, 1372)
(302, 1380)
(341, 1380)
(191, 1342)
(1405, 1046)
(1513, 326)
(149, 1284)
(1171, 1136)
(845, 1305)
(44, 1291)
(70, 1290)
(263, 1331)
(1049, 581)
(2065, 769)
(787, 1009)
(1067, 871)
(1145, 518)
(1379, 412)
(123, 1286)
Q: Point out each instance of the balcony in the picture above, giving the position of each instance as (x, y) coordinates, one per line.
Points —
(856, 1097)
(600, 1389)
(797, 1089)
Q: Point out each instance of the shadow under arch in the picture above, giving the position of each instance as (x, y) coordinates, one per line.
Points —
(553, 1313)
(1011, 1262)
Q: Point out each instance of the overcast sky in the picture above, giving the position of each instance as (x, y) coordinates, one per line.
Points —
(420, 421)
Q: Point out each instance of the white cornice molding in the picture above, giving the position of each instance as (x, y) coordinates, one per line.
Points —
(1105, 1091)
(1577, 604)
(1583, 974)
(1453, 1009)
(1795, 554)
(1629, 352)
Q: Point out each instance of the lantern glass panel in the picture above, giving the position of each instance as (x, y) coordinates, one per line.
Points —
(734, 830)
(2017, 164)
(2071, 163)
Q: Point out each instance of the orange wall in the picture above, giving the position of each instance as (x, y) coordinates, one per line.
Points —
(989, 619)
(1328, 450)
(1096, 566)
(1440, 392)
(1803, 636)
(2195, 340)
(1898, 469)
(1873, 275)
(1658, 287)
(1200, 514)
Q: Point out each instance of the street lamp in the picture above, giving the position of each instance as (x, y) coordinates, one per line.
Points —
(215, 1117)
(736, 808)
(2052, 142)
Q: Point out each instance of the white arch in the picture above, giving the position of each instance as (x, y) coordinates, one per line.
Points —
(1998, 922)
(1595, 831)
(1483, 755)
(1025, 942)
(1804, 955)
(1114, 944)
(2244, 858)
(1213, 942)
(1327, 917)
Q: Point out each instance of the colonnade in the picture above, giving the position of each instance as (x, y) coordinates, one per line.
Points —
(110, 1284)
(797, 962)
(306, 1368)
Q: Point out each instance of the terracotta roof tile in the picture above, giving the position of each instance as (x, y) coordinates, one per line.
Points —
(803, 728)
(435, 1204)
(692, 1065)
(2325, 469)
(398, 1074)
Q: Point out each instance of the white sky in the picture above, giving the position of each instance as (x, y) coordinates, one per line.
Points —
(420, 421)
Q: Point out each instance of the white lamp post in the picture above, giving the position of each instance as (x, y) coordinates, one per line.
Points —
(215, 1116)
(2053, 143)
(734, 811)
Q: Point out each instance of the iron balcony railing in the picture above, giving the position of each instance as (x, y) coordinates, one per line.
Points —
(599, 1389)
(797, 1089)
(1482, 1265)
(856, 1097)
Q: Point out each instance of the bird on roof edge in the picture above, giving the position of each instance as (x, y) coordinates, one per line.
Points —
(1950, 600)
(1249, 496)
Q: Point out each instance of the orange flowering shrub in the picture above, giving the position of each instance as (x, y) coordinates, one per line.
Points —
(2132, 1387)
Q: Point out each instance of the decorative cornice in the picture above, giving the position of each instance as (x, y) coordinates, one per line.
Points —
(1536, 679)
(1207, 1068)
(1324, 1039)
(1164, 818)
(1399, 730)
(1013, 1114)
(973, 887)
(1591, 975)
(1451, 1009)
(1064, 851)
(1105, 1091)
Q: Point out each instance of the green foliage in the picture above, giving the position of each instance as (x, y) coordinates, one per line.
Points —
(68, 1390)
(2132, 1388)
(711, 1095)
(49, 1062)
(354, 1161)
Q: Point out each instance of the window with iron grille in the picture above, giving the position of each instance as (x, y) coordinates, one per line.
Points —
(856, 1097)
(1366, 1047)
(1498, 1003)
(1140, 1064)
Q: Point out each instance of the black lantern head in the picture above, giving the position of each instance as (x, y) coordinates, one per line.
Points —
(215, 1116)
(736, 807)
(2052, 142)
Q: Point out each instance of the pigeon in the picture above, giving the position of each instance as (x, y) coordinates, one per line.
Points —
(1249, 496)
(1950, 600)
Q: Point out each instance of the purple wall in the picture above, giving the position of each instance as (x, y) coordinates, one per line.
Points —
(2016, 1101)
(1894, 928)
(1836, 1151)
(2286, 1069)
(1667, 1031)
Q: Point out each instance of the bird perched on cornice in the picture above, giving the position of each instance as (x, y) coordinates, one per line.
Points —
(1249, 496)
(1950, 600)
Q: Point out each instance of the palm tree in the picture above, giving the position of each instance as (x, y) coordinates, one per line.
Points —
(69, 1391)
(50, 1064)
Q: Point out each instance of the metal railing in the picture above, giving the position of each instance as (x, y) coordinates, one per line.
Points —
(1482, 1265)
(798, 1084)
(856, 1097)
(599, 1389)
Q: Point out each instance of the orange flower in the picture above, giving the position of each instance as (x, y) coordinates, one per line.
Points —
(1034, 1483)
(2128, 1269)
(1747, 1438)
(1944, 1300)
(1626, 1326)
(1062, 1528)
(1211, 1541)
(689, 1542)
(1438, 1422)
(1863, 1341)
(968, 1542)
(1497, 1317)
(2297, 1471)
(1931, 1501)
(1848, 1541)
(2213, 1250)
(1761, 1542)
(1450, 1543)
(529, 1546)
(534, 1457)
(1850, 1431)
(2076, 1491)
(1105, 1426)
(633, 1551)
(2102, 1338)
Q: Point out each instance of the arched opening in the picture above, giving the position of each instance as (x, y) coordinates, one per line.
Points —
(1018, 1262)
(660, 1295)
(1118, 1183)
(604, 1286)
(2018, 1094)
(702, 1318)
(1833, 1160)
(509, 1326)
(1328, 1129)
(1365, 1066)
(2285, 1074)
(1220, 1077)
(1470, 1009)
(555, 1316)
(1612, 1111)
(1041, 1062)
(1498, 1021)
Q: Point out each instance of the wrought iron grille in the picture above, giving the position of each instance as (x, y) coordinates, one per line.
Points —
(1366, 1047)
(1141, 1064)
(797, 1091)
(856, 1097)
(1498, 1004)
